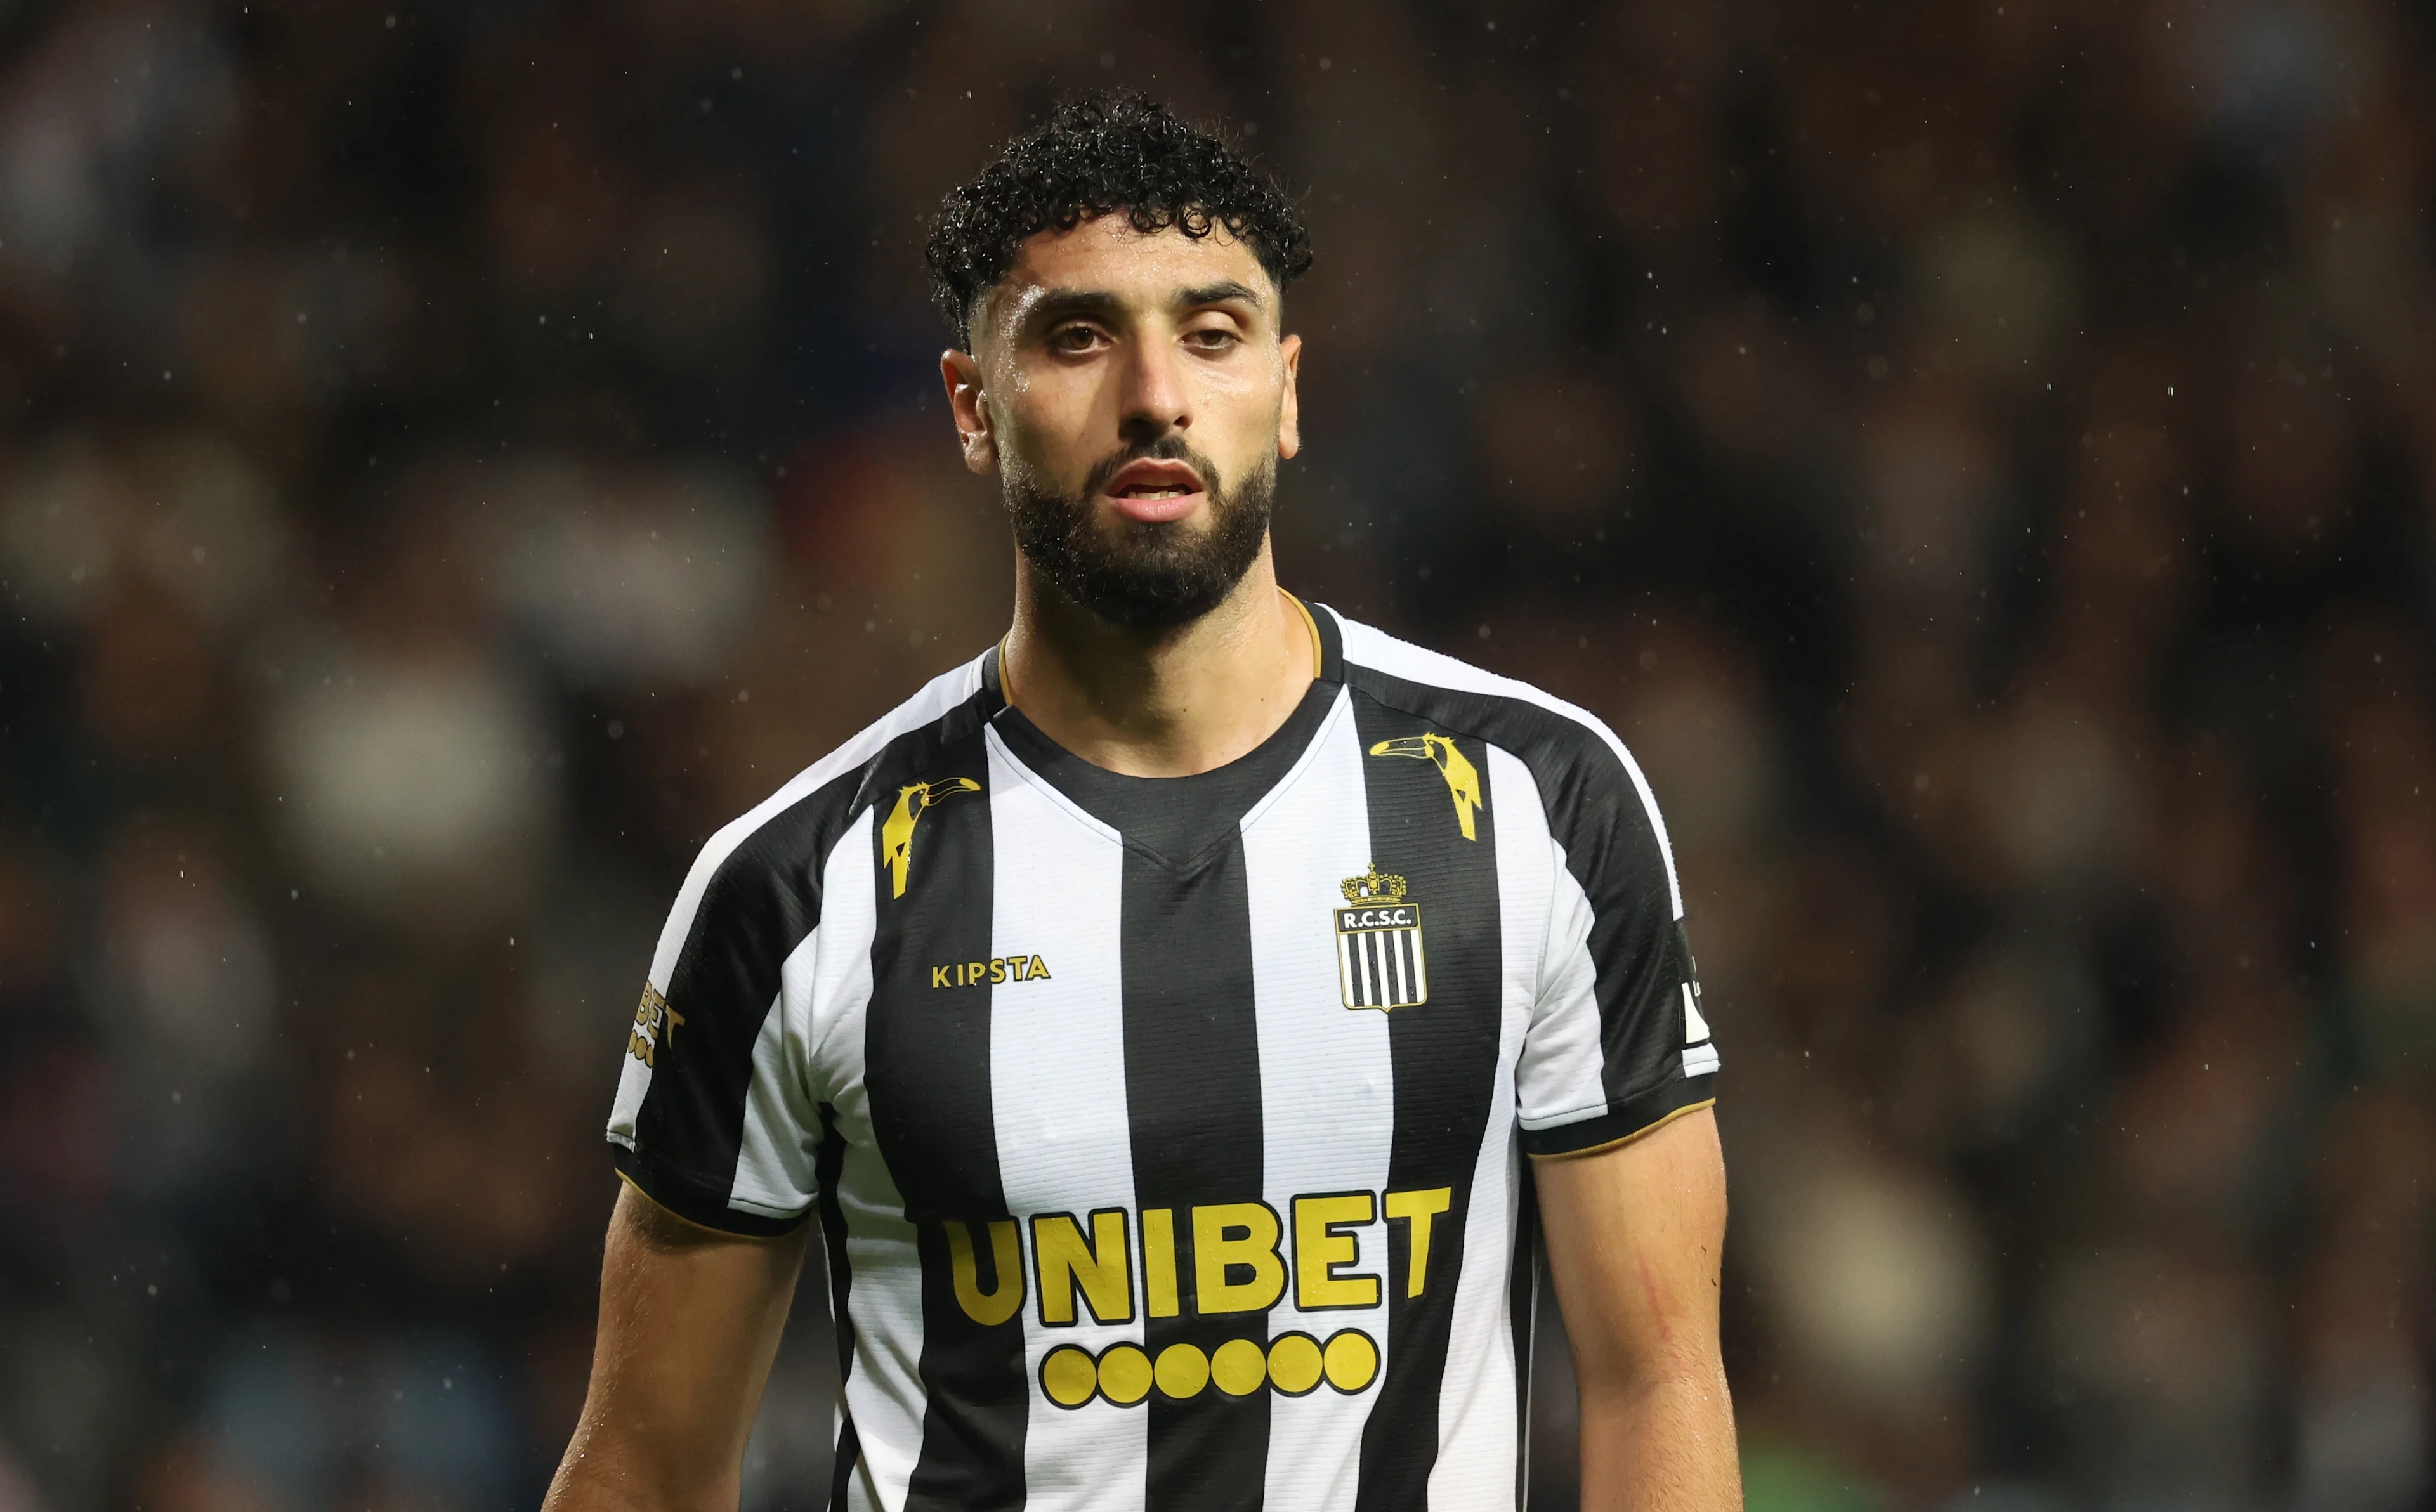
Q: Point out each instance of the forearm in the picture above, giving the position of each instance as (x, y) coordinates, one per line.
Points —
(1634, 1239)
(1665, 1443)
(690, 1324)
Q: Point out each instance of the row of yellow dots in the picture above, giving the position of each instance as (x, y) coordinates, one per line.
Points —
(1292, 1364)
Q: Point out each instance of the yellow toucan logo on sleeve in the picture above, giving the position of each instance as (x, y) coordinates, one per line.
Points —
(897, 835)
(1462, 777)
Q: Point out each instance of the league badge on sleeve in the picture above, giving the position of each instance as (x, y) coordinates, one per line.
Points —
(1379, 959)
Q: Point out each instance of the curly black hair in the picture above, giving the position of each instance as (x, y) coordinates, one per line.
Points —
(1097, 154)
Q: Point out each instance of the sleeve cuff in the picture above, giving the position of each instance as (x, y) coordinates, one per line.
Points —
(690, 1201)
(1625, 1122)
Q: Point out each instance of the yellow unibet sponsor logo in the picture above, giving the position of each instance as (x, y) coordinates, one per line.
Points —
(1005, 1299)
(1113, 1264)
(1291, 1364)
(1242, 1257)
(655, 1024)
(996, 968)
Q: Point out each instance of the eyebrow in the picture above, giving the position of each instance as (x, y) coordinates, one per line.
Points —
(1219, 293)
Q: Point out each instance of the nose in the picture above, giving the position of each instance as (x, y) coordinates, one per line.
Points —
(1155, 397)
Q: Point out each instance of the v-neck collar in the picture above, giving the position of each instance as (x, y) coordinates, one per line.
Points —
(1180, 820)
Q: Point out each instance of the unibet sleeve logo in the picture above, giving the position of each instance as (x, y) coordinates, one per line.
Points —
(655, 1025)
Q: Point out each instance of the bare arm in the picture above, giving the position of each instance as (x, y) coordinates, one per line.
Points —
(689, 1322)
(1634, 1235)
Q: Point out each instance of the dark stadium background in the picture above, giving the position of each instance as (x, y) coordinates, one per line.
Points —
(452, 457)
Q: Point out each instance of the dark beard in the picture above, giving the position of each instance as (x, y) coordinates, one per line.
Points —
(1139, 575)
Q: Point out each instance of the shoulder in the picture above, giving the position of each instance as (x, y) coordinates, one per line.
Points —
(1582, 769)
(789, 834)
(1531, 723)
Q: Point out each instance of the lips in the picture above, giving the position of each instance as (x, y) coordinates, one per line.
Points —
(1155, 491)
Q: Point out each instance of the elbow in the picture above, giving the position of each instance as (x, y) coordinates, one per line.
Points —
(1688, 1362)
(606, 1470)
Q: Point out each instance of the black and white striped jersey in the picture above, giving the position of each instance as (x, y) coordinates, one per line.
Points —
(1166, 1135)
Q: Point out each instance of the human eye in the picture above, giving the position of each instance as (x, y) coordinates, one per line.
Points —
(1074, 337)
(1213, 338)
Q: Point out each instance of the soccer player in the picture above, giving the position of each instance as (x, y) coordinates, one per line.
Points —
(1166, 1019)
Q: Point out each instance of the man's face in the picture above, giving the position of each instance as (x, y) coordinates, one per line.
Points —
(1134, 393)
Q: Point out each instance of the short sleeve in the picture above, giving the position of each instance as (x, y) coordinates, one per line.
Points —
(1617, 1042)
(712, 1120)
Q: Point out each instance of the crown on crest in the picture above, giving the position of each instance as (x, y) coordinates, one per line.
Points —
(1374, 887)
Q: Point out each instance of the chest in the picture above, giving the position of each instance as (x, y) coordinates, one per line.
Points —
(1118, 1030)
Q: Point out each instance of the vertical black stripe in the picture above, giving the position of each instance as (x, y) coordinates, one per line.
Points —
(849, 1450)
(1522, 1302)
(1444, 1054)
(927, 1064)
(757, 906)
(1193, 1086)
(828, 1164)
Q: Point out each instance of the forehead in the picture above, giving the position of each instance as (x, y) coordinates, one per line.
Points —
(1108, 255)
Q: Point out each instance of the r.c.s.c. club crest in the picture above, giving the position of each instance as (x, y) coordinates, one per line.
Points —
(1379, 959)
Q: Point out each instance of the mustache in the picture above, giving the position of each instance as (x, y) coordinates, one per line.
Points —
(1168, 448)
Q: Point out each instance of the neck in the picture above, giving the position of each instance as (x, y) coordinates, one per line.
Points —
(1159, 703)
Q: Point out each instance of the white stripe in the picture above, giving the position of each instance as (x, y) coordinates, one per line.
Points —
(1057, 1088)
(1476, 1430)
(1700, 1060)
(775, 1165)
(883, 1389)
(1365, 647)
(774, 1160)
(1039, 785)
(942, 694)
(1563, 1075)
(1327, 1095)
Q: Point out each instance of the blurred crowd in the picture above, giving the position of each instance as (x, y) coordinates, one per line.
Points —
(453, 456)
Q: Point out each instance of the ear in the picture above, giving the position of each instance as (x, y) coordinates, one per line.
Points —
(969, 408)
(1290, 408)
